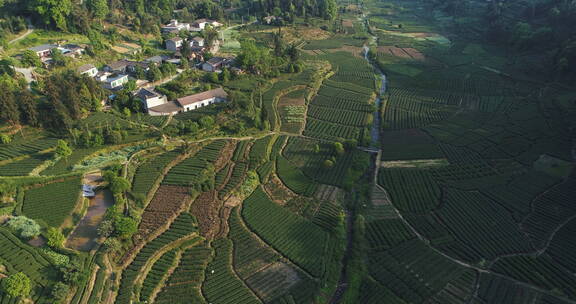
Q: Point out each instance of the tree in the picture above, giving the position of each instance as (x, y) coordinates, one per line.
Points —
(30, 59)
(57, 57)
(60, 292)
(5, 139)
(338, 148)
(139, 72)
(125, 226)
(28, 108)
(25, 227)
(206, 122)
(99, 8)
(55, 237)
(62, 149)
(17, 285)
(112, 244)
(106, 228)
(327, 164)
(154, 74)
(53, 11)
(8, 108)
(119, 185)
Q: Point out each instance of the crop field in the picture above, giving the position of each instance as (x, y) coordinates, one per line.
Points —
(333, 43)
(241, 151)
(185, 283)
(409, 144)
(301, 152)
(25, 146)
(222, 285)
(236, 178)
(167, 202)
(156, 274)
(293, 178)
(53, 202)
(562, 247)
(155, 121)
(149, 172)
(249, 254)
(342, 107)
(295, 237)
(183, 226)
(415, 271)
(260, 151)
(412, 190)
(191, 170)
(25, 166)
(23, 258)
(64, 165)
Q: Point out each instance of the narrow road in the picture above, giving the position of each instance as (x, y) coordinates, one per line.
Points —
(29, 31)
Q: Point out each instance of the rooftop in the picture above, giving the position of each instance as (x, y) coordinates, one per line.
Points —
(43, 47)
(86, 67)
(169, 107)
(145, 93)
(218, 93)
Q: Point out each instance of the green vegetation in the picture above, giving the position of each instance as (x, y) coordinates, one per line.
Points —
(52, 203)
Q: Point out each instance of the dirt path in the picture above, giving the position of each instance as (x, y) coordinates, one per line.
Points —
(85, 235)
(29, 31)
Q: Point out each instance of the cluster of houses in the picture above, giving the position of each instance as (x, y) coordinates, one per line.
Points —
(68, 50)
(116, 74)
(197, 26)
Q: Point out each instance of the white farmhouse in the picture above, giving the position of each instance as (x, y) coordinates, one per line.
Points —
(115, 82)
(189, 103)
(203, 99)
(150, 98)
(88, 69)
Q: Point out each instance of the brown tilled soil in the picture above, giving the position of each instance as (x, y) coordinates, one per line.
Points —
(347, 23)
(277, 191)
(226, 155)
(167, 203)
(206, 209)
(224, 216)
(407, 53)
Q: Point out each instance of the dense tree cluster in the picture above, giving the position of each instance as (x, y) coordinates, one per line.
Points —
(64, 97)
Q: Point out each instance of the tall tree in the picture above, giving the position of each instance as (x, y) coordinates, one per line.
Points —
(53, 12)
(8, 108)
(28, 109)
(99, 8)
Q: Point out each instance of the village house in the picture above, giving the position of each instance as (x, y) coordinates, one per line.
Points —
(124, 66)
(174, 44)
(200, 24)
(43, 51)
(189, 103)
(214, 64)
(150, 98)
(157, 60)
(114, 82)
(88, 69)
(174, 27)
(71, 50)
(197, 42)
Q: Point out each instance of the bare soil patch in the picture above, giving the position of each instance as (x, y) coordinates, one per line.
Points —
(329, 193)
(277, 191)
(167, 203)
(38, 241)
(206, 209)
(347, 23)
